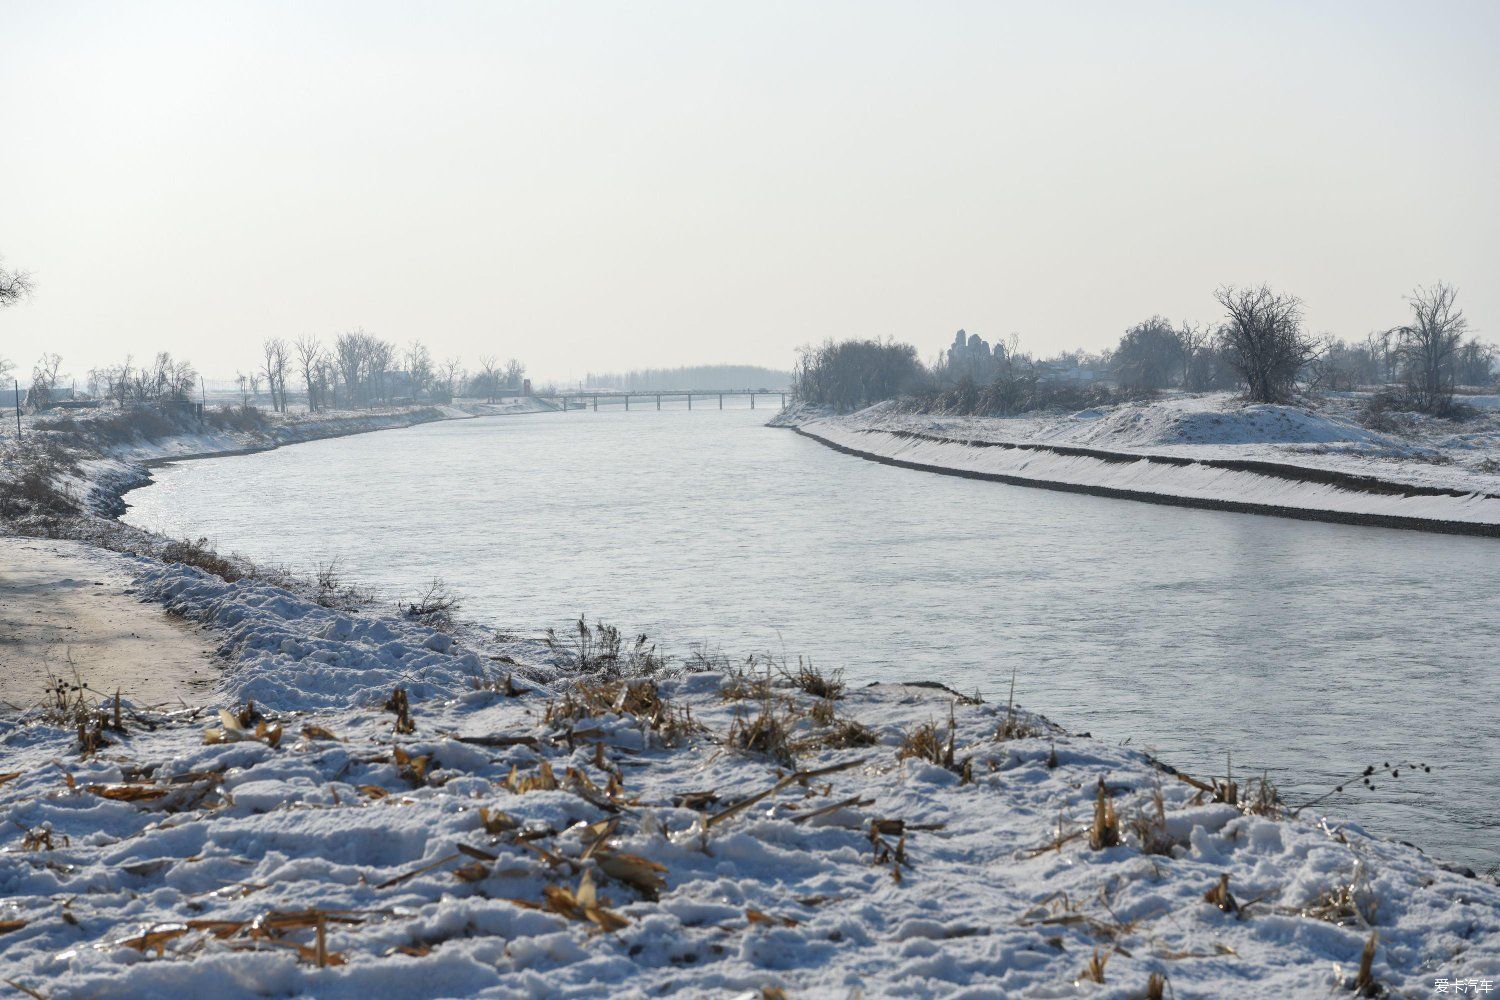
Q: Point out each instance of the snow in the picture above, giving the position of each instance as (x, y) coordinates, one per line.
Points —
(1140, 478)
(1322, 434)
(163, 863)
(1210, 450)
(982, 907)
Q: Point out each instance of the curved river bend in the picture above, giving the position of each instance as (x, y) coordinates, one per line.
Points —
(1308, 650)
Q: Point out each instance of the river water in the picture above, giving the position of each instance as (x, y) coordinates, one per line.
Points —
(1307, 650)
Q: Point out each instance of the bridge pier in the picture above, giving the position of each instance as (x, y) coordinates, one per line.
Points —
(627, 402)
(752, 401)
(690, 401)
(596, 404)
(658, 400)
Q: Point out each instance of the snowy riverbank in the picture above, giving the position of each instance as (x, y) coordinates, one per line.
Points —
(1212, 451)
(528, 829)
(124, 466)
(456, 856)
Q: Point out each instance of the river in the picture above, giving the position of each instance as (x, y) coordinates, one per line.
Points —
(1306, 650)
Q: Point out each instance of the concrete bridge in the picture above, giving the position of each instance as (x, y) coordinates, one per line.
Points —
(582, 398)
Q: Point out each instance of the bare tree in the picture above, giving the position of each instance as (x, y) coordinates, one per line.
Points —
(1475, 363)
(1382, 350)
(1429, 347)
(487, 382)
(14, 286)
(381, 355)
(1195, 339)
(1262, 340)
(419, 367)
(273, 366)
(349, 360)
(43, 391)
(451, 377)
(283, 362)
(309, 357)
(515, 372)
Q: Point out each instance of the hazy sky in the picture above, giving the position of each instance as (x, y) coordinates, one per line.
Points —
(611, 185)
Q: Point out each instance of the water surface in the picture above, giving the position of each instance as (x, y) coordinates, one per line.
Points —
(1308, 650)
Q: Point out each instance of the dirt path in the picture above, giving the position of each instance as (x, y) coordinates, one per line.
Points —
(64, 607)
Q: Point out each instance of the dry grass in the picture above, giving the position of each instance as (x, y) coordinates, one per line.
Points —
(31, 484)
(1262, 799)
(1221, 897)
(641, 699)
(810, 680)
(1150, 826)
(1105, 830)
(400, 704)
(928, 743)
(436, 607)
(1013, 727)
(1364, 981)
(924, 743)
(1349, 903)
(601, 649)
(200, 554)
(500, 683)
(847, 734)
(330, 589)
(1094, 971)
(768, 733)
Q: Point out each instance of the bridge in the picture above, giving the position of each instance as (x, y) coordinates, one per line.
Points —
(584, 397)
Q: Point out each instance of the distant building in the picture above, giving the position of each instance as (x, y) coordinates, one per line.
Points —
(972, 355)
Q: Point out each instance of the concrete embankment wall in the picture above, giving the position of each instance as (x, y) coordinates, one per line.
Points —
(1214, 485)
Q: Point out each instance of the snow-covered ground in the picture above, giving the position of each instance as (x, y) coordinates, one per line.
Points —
(1328, 433)
(551, 841)
(120, 466)
(549, 835)
(1221, 451)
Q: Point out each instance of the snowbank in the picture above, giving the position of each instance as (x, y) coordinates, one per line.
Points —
(116, 469)
(458, 859)
(1198, 475)
(1326, 436)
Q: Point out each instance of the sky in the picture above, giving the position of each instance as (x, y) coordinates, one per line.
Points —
(604, 186)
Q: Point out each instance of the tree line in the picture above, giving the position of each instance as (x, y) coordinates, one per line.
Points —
(359, 369)
(1260, 345)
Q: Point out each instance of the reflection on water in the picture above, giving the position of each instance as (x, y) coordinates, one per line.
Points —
(1308, 650)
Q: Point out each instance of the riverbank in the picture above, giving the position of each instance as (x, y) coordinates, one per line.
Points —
(509, 827)
(914, 855)
(1211, 452)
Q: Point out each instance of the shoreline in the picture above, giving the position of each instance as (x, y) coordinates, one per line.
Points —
(887, 864)
(113, 497)
(966, 458)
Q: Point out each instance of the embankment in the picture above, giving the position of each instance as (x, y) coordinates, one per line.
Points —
(1242, 486)
(127, 467)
